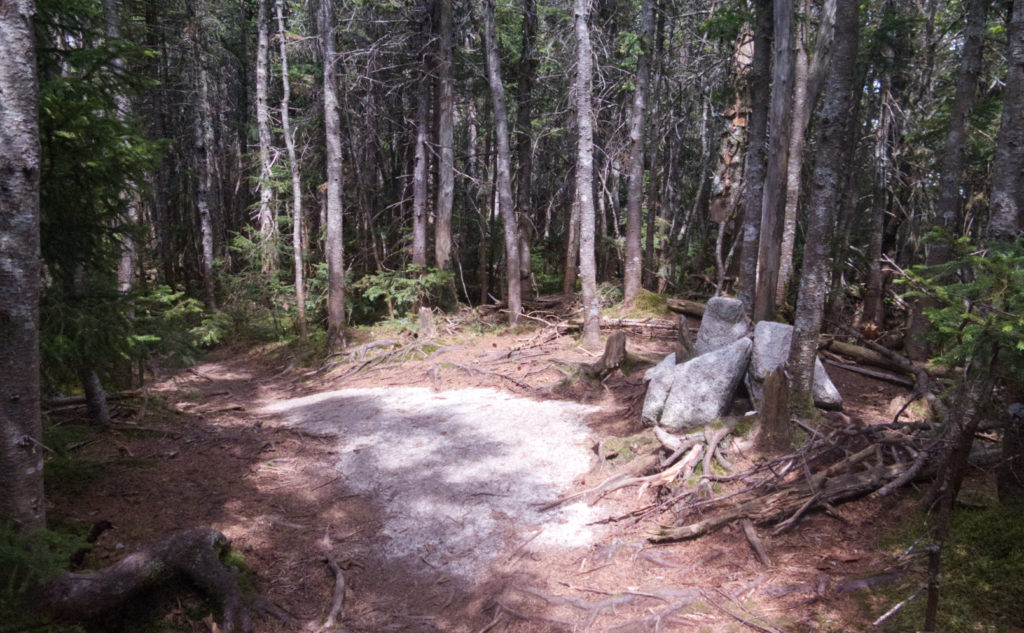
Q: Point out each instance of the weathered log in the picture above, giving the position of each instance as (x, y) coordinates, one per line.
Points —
(685, 306)
(897, 380)
(862, 354)
(195, 555)
(750, 532)
(776, 433)
(64, 401)
(664, 327)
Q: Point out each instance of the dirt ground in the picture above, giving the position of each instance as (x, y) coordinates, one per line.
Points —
(203, 449)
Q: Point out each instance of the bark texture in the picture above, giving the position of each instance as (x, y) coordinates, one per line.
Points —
(504, 166)
(585, 173)
(774, 195)
(825, 186)
(445, 140)
(633, 269)
(266, 219)
(757, 160)
(293, 168)
(335, 245)
(1008, 166)
(21, 460)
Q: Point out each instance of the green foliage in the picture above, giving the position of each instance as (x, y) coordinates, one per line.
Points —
(260, 305)
(979, 303)
(27, 559)
(403, 290)
(983, 570)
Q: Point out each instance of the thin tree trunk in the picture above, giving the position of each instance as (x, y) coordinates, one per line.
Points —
(503, 166)
(874, 306)
(419, 174)
(293, 166)
(825, 187)
(206, 195)
(633, 269)
(806, 84)
(21, 456)
(445, 138)
(953, 160)
(524, 141)
(1006, 223)
(334, 246)
(1007, 216)
(585, 173)
(756, 163)
(267, 221)
(774, 196)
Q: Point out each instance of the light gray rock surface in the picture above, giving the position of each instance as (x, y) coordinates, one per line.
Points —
(702, 388)
(659, 380)
(771, 348)
(724, 322)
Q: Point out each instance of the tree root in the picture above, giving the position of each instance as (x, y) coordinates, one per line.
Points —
(195, 555)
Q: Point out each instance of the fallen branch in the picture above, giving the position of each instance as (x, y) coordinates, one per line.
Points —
(898, 380)
(750, 532)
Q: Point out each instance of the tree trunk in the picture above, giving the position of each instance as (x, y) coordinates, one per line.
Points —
(267, 221)
(95, 397)
(1005, 225)
(585, 174)
(825, 186)
(205, 196)
(806, 85)
(334, 246)
(21, 457)
(293, 166)
(1007, 216)
(874, 306)
(754, 172)
(774, 196)
(445, 141)
(504, 166)
(947, 207)
(524, 142)
(633, 270)
(419, 174)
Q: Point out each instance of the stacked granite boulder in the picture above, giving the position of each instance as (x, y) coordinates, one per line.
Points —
(691, 394)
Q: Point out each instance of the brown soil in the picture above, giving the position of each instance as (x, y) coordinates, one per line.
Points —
(205, 455)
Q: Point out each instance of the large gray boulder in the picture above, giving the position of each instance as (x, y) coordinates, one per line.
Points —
(771, 348)
(702, 388)
(659, 381)
(724, 322)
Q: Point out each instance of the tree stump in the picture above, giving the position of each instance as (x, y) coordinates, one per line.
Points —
(427, 327)
(776, 433)
(612, 359)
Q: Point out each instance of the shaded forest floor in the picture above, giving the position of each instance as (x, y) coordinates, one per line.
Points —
(207, 451)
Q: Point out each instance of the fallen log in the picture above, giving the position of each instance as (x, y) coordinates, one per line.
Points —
(195, 555)
(685, 306)
(664, 327)
(64, 401)
(898, 380)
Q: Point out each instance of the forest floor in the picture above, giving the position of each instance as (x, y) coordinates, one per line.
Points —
(423, 480)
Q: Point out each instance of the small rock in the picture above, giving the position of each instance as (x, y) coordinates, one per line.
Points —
(703, 387)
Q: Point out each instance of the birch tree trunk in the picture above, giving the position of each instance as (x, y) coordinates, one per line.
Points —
(265, 218)
(756, 163)
(21, 457)
(503, 166)
(334, 246)
(774, 196)
(825, 186)
(445, 141)
(585, 173)
(298, 254)
(633, 269)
